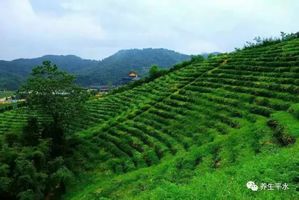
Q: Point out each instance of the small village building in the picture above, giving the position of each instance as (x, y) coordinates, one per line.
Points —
(132, 76)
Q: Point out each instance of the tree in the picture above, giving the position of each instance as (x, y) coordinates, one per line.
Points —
(155, 71)
(200, 58)
(54, 93)
(35, 165)
(51, 92)
(31, 132)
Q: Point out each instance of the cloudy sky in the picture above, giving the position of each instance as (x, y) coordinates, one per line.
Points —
(98, 28)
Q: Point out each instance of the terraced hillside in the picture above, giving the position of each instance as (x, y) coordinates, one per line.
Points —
(199, 132)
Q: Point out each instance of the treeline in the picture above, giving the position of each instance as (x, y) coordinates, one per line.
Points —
(261, 42)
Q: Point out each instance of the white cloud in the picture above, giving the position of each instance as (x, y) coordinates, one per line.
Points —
(95, 29)
(22, 29)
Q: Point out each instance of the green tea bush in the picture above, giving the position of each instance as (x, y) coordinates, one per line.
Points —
(294, 109)
(280, 134)
(264, 111)
(150, 157)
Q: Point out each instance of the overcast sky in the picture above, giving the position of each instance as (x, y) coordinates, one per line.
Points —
(98, 28)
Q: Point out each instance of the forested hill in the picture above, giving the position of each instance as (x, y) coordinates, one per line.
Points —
(13, 73)
(90, 72)
(113, 68)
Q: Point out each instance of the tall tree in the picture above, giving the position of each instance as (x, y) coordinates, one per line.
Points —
(36, 165)
(54, 93)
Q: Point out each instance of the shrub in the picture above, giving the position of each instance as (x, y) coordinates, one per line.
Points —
(115, 165)
(280, 134)
(156, 71)
(150, 157)
(294, 110)
(264, 111)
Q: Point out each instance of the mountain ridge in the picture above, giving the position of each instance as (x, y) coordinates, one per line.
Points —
(107, 70)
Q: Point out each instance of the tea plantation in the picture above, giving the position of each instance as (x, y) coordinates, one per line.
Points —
(201, 131)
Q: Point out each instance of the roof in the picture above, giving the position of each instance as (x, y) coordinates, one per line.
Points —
(132, 74)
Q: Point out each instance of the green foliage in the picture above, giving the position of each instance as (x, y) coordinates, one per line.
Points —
(261, 42)
(9, 81)
(155, 72)
(14, 73)
(294, 109)
(200, 58)
(29, 169)
(31, 132)
(6, 94)
(117, 66)
(35, 163)
(212, 119)
(199, 131)
(280, 134)
(24, 177)
(91, 72)
(54, 93)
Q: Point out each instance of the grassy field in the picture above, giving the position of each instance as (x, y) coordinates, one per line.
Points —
(200, 132)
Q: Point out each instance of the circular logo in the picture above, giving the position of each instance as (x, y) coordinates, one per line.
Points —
(252, 186)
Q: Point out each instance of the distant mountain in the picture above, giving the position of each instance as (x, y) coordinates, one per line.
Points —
(13, 73)
(114, 68)
(91, 72)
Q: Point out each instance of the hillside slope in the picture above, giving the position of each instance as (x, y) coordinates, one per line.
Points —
(200, 132)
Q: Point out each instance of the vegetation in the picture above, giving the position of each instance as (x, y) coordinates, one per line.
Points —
(14, 73)
(155, 72)
(4, 94)
(35, 164)
(91, 72)
(260, 42)
(201, 130)
(117, 66)
(54, 93)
